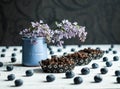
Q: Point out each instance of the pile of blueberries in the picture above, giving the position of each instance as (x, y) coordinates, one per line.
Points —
(69, 74)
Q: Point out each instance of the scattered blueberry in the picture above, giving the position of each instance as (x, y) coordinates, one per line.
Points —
(115, 58)
(1, 64)
(97, 78)
(117, 73)
(15, 49)
(97, 48)
(64, 46)
(108, 63)
(59, 50)
(79, 45)
(72, 49)
(118, 79)
(107, 51)
(21, 51)
(50, 78)
(114, 52)
(95, 65)
(29, 72)
(69, 74)
(11, 77)
(9, 67)
(3, 50)
(103, 70)
(2, 55)
(85, 70)
(13, 59)
(110, 49)
(13, 54)
(51, 52)
(105, 59)
(78, 80)
(64, 53)
(7, 47)
(18, 82)
(112, 46)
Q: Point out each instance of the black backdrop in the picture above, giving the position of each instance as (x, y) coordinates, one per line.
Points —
(101, 18)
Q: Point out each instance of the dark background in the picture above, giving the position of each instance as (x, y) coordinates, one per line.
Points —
(101, 18)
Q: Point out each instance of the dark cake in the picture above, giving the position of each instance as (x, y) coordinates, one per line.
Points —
(80, 58)
(57, 64)
(94, 53)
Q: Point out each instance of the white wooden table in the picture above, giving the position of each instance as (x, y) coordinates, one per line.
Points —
(38, 80)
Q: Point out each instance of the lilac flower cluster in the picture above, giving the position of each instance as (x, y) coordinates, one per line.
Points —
(65, 29)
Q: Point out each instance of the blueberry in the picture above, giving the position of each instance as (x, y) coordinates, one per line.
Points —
(69, 74)
(15, 49)
(103, 70)
(118, 79)
(51, 52)
(95, 65)
(2, 55)
(112, 46)
(3, 50)
(64, 46)
(7, 47)
(13, 54)
(13, 59)
(64, 53)
(108, 64)
(97, 78)
(117, 73)
(78, 80)
(50, 78)
(97, 48)
(29, 72)
(72, 49)
(85, 70)
(18, 82)
(1, 64)
(21, 51)
(9, 67)
(105, 59)
(107, 51)
(115, 58)
(114, 52)
(79, 45)
(59, 50)
(11, 77)
(110, 49)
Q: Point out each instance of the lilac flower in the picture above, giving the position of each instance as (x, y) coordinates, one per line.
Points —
(65, 30)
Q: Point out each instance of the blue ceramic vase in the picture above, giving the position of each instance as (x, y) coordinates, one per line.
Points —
(34, 50)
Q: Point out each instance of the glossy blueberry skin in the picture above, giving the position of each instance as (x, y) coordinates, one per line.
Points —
(9, 67)
(103, 70)
(110, 49)
(105, 59)
(50, 78)
(11, 77)
(118, 79)
(85, 70)
(1, 64)
(69, 74)
(117, 73)
(29, 72)
(114, 52)
(97, 78)
(107, 51)
(95, 65)
(109, 64)
(18, 82)
(78, 80)
(115, 58)
(13, 59)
